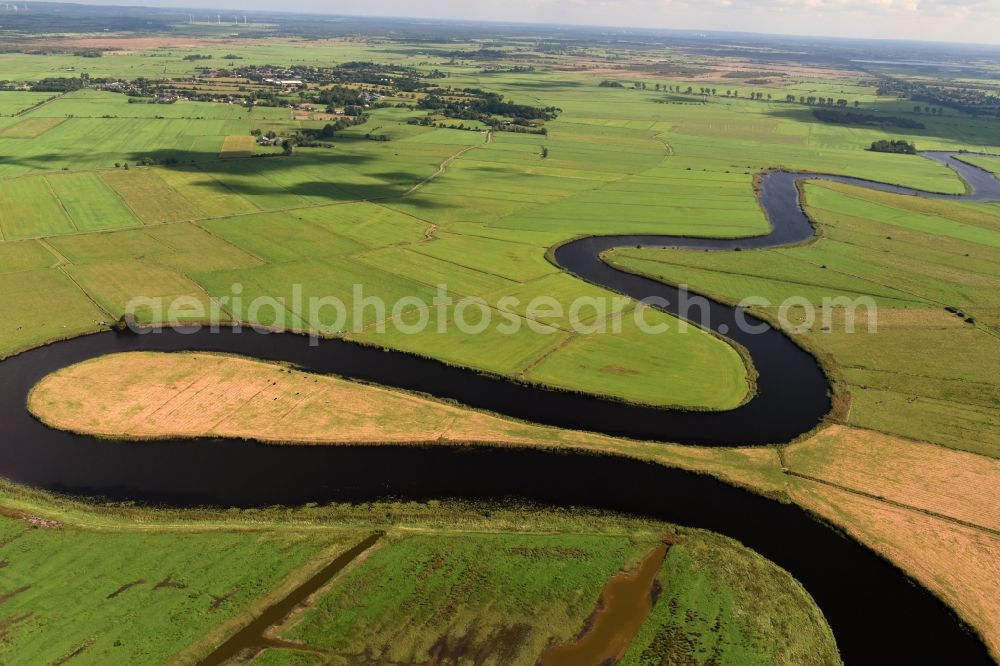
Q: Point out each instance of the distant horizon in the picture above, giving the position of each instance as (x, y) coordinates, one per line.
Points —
(957, 22)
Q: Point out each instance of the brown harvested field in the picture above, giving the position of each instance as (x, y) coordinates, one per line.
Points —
(237, 145)
(956, 562)
(147, 395)
(30, 128)
(960, 485)
(123, 43)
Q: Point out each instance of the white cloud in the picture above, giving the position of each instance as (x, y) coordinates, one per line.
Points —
(937, 20)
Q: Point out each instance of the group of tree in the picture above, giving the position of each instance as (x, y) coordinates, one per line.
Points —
(977, 99)
(60, 84)
(893, 146)
(339, 97)
(743, 74)
(808, 100)
(856, 118)
(487, 107)
(329, 130)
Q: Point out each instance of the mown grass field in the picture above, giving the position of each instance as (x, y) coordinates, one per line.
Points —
(16, 101)
(30, 128)
(617, 163)
(990, 163)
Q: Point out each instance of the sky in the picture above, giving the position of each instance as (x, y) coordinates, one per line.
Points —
(968, 21)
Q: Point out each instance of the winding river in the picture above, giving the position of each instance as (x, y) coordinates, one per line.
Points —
(877, 614)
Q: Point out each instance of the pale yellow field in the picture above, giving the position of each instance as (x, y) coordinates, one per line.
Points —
(30, 128)
(237, 145)
(149, 197)
(955, 562)
(932, 478)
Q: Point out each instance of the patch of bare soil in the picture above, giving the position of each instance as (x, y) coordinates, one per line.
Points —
(36, 521)
(8, 623)
(126, 587)
(76, 652)
(6, 596)
(170, 583)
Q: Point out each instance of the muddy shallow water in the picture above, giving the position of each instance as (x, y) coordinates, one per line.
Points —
(624, 604)
(877, 614)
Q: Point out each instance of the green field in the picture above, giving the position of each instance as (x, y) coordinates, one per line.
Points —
(516, 594)
(12, 102)
(136, 595)
(170, 586)
(616, 163)
(30, 128)
(912, 258)
(701, 614)
(990, 163)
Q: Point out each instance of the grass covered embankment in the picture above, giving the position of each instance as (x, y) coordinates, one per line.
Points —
(447, 579)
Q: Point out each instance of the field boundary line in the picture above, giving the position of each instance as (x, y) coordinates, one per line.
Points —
(260, 630)
(918, 297)
(119, 196)
(852, 366)
(62, 205)
(904, 241)
(547, 353)
(443, 167)
(665, 262)
(35, 107)
(955, 255)
(929, 398)
(900, 505)
(61, 259)
(227, 242)
(62, 269)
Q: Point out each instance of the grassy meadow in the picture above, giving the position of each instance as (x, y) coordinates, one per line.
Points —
(928, 369)
(133, 594)
(516, 594)
(325, 219)
(990, 163)
(168, 586)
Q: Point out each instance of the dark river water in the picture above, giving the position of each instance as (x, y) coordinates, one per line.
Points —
(877, 614)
